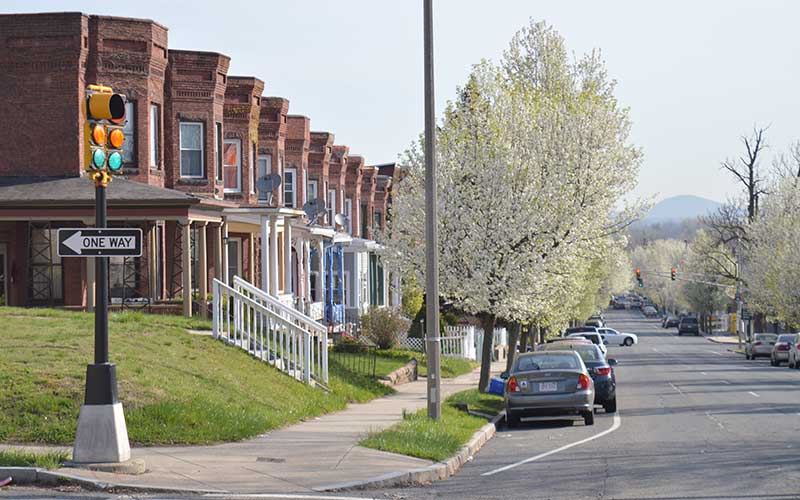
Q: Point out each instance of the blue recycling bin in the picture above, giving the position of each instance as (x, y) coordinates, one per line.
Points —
(497, 386)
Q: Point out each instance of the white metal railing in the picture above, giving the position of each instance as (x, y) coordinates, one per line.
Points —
(288, 341)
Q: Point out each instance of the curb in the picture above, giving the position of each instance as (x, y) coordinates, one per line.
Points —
(429, 474)
(720, 342)
(43, 477)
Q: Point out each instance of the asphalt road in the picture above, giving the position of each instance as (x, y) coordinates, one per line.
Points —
(695, 421)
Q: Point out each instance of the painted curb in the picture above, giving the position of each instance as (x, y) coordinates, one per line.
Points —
(429, 474)
(42, 477)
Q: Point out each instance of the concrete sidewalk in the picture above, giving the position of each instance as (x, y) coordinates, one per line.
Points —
(299, 458)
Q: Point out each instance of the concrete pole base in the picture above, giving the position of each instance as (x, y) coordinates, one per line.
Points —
(102, 436)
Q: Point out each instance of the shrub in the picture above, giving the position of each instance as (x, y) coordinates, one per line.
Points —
(384, 326)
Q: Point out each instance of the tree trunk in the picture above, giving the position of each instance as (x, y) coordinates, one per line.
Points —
(487, 321)
(525, 338)
(513, 337)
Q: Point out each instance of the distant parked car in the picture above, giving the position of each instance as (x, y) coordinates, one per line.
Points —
(600, 369)
(549, 384)
(611, 336)
(794, 352)
(671, 322)
(597, 323)
(594, 337)
(760, 345)
(580, 329)
(780, 351)
(689, 324)
(649, 311)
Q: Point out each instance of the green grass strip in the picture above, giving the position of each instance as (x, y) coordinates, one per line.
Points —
(21, 458)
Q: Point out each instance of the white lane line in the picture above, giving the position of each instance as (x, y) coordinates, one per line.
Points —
(676, 388)
(704, 373)
(753, 393)
(614, 426)
(656, 350)
(281, 495)
(714, 419)
(725, 382)
(715, 352)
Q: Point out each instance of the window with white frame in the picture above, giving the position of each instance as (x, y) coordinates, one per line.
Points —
(129, 129)
(331, 206)
(264, 169)
(218, 148)
(289, 191)
(155, 129)
(232, 165)
(348, 212)
(191, 143)
(313, 189)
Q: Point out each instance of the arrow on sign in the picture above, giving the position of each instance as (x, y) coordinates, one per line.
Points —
(99, 242)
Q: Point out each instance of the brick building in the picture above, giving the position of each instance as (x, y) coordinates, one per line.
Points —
(199, 143)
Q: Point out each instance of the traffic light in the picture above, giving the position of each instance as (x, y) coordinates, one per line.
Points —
(672, 273)
(103, 130)
(639, 278)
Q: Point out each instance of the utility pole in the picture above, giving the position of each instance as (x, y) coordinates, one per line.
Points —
(432, 335)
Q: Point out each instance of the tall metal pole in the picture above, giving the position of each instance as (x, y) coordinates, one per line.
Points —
(432, 339)
(101, 290)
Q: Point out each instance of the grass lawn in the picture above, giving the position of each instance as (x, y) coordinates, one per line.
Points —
(391, 359)
(48, 460)
(419, 436)
(177, 388)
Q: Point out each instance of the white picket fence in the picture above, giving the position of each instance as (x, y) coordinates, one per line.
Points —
(249, 318)
(461, 341)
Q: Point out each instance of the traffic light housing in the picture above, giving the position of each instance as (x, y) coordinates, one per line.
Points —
(103, 130)
(639, 278)
(672, 273)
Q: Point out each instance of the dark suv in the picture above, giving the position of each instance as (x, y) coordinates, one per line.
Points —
(689, 325)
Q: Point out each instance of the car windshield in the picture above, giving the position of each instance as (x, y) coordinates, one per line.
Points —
(689, 320)
(766, 338)
(547, 362)
(786, 338)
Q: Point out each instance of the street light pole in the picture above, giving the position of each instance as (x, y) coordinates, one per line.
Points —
(432, 339)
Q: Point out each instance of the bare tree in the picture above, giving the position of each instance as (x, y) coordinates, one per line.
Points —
(787, 165)
(746, 169)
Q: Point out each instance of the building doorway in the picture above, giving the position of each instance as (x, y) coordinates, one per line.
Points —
(3, 275)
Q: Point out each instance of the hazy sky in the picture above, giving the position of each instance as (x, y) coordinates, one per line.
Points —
(695, 74)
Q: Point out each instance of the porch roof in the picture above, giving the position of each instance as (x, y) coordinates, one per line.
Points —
(75, 192)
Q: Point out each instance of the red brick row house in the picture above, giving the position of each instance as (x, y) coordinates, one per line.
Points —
(198, 142)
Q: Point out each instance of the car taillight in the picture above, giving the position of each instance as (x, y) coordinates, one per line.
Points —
(783, 347)
(512, 385)
(584, 382)
(757, 343)
(603, 371)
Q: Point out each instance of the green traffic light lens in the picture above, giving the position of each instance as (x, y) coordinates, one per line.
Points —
(98, 158)
(115, 161)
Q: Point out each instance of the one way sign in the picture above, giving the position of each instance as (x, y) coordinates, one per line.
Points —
(92, 242)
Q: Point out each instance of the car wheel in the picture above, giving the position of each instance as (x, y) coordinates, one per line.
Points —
(628, 341)
(611, 406)
(680, 334)
(773, 362)
(588, 418)
(512, 421)
(746, 356)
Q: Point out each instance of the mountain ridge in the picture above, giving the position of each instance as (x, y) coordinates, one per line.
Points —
(680, 207)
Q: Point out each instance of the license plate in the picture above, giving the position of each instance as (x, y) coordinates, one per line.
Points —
(548, 386)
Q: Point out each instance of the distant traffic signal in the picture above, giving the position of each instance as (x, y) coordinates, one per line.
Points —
(103, 130)
(639, 278)
(672, 273)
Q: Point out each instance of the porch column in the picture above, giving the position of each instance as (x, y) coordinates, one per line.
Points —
(224, 277)
(265, 271)
(202, 268)
(152, 262)
(307, 271)
(287, 255)
(321, 273)
(218, 270)
(273, 255)
(251, 262)
(186, 265)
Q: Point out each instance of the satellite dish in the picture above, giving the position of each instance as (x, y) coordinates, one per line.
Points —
(314, 209)
(340, 219)
(268, 183)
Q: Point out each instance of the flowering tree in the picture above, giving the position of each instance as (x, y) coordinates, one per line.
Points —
(532, 159)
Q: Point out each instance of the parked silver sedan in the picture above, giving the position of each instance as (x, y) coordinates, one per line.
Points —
(794, 352)
(760, 345)
(780, 351)
(549, 383)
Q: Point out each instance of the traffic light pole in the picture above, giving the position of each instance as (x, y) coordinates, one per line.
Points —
(101, 290)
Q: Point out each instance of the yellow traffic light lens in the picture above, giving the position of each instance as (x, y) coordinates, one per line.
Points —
(116, 138)
(98, 158)
(98, 135)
